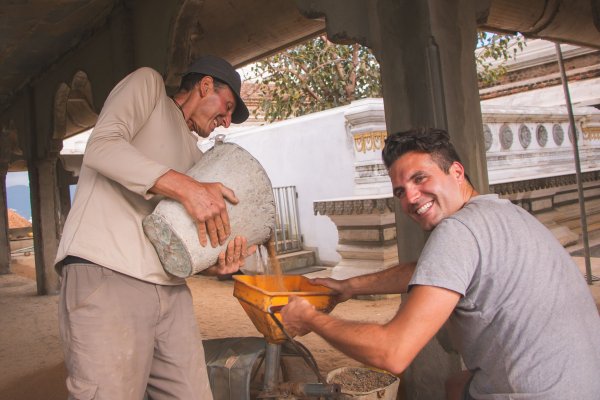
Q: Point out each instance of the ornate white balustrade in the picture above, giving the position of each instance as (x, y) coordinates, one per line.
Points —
(534, 143)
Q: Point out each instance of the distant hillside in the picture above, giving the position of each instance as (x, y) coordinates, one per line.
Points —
(18, 199)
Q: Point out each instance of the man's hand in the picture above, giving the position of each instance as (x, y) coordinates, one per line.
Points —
(231, 260)
(204, 202)
(341, 290)
(295, 316)
(206, 205)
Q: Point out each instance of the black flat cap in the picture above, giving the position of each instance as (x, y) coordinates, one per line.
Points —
(220, 69)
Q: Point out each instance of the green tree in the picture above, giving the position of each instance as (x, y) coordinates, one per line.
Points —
(318, 75)
(492, 52)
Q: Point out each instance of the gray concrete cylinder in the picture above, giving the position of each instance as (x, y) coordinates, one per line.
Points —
(174, 234)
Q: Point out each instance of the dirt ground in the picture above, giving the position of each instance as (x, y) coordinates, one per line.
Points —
(31, 360)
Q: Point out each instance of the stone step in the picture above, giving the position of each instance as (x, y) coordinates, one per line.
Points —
(565, 224)
(296, 260)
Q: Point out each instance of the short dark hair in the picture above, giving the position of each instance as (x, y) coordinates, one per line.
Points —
(435, 142)
(188, 81)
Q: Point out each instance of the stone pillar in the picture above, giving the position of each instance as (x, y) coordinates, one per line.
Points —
(429, 78)
(4, 238)
(5, 154)
(425, 50)
(365, 221)
(41, 149)
(367, 233)
(45, 212)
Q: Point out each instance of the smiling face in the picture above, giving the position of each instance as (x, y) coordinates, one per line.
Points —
(428, 194)
(207, 106)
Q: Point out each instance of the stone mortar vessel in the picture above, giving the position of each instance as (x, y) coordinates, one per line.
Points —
(175, 236)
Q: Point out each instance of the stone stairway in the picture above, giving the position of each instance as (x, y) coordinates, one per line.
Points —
(298, 262)
(564, 221)
(294, 262)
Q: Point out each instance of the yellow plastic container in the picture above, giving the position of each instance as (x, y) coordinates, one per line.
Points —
(260, 293)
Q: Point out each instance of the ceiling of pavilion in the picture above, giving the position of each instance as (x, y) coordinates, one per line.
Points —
(34, 35)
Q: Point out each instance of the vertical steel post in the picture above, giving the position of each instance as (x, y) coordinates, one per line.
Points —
(272, 357)
(295, 214)
(582, 215)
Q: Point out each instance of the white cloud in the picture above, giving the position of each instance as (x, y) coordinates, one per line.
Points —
(17, 178)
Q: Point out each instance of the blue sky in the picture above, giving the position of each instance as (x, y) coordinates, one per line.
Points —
(17, 178)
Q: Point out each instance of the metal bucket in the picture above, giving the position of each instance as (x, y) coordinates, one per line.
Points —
(175, 236)
(384, 392)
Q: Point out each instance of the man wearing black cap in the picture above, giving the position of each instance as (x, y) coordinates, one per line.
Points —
(126, 325)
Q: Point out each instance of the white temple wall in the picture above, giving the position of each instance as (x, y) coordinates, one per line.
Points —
(314, 154)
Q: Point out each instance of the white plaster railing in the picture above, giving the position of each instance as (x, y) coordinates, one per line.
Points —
(533, 143)
(523, 143)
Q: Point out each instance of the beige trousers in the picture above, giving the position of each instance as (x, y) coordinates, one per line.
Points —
(123, 337)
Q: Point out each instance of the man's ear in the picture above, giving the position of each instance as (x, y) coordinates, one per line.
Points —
(204, 85)
(457, 170)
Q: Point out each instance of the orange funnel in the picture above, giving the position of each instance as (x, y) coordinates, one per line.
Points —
(257, 294)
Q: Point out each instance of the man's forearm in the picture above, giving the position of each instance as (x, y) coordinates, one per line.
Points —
(391, 346)
(172, 185)
(368, 343)
(390, 281)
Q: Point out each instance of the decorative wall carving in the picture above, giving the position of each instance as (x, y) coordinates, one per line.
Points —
(506, 137)
(542, 183)
(73, 108)
(371, 170)
(558, 134)
(541, 135)
(354, 206)
(369, 141)
(524, 136)
(487, 137)
(590, 132)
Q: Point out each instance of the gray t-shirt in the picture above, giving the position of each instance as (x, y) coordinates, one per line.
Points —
(526, 324)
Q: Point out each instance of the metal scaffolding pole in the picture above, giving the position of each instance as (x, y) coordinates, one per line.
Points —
(582, 214)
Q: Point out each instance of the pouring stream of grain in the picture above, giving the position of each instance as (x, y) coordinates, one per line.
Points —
(272, 267)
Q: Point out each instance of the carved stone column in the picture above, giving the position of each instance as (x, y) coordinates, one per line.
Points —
(367, 233)
(365, 221)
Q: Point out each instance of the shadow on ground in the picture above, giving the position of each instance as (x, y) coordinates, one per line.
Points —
(44, 384)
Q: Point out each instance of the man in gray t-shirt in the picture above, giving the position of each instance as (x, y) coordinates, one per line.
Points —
(519, 311)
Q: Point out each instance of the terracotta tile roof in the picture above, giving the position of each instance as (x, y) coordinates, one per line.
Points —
(16, 221)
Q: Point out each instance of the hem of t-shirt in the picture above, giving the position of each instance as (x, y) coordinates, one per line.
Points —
(435, 283)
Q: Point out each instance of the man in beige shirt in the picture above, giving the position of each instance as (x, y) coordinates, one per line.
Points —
(127, 326)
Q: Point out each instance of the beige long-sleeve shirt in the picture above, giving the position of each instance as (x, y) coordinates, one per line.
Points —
(139, 136)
